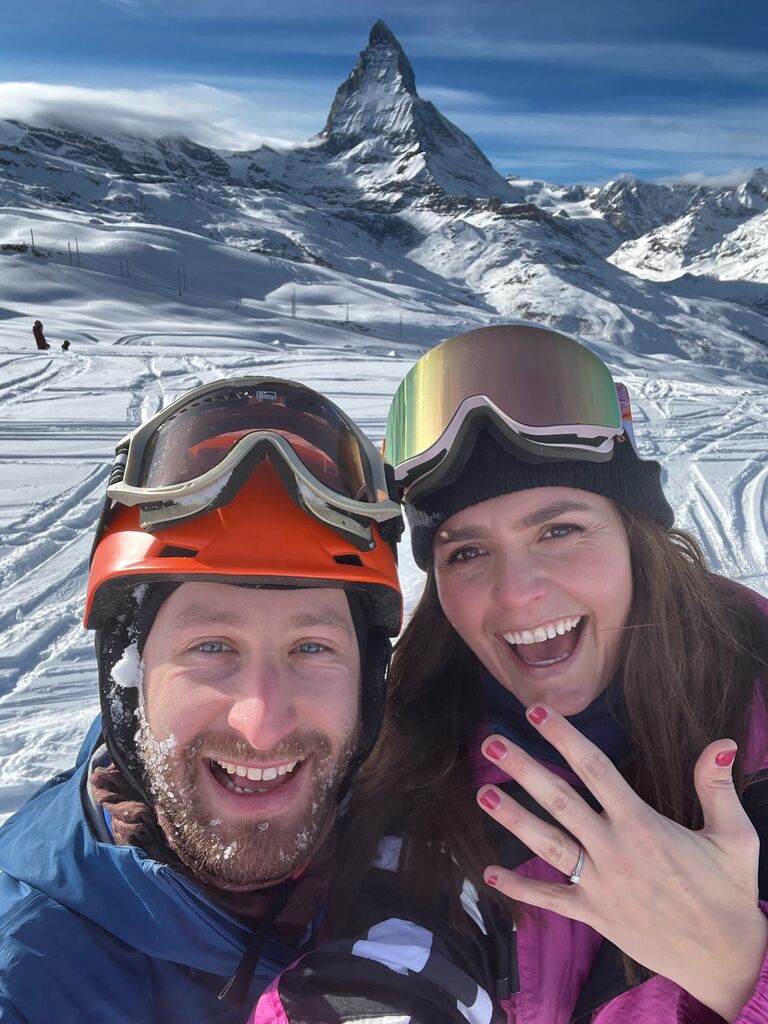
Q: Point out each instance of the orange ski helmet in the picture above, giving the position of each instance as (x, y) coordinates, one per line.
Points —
(260, 538)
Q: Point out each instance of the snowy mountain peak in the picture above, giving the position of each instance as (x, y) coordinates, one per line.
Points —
(382, 36)
(754, 189)
(634, 207)
(400, 142)
(378, 93)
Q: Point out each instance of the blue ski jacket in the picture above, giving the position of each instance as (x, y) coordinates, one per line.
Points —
(91, 931)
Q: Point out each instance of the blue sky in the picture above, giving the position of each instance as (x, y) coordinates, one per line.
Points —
(556, 89)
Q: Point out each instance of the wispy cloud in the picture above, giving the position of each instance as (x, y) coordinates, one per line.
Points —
(733, 177)
(272, 112)
(652, 59)
(728, 130)
(129, 6)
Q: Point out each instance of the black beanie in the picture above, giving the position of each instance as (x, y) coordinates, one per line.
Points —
(492, 470)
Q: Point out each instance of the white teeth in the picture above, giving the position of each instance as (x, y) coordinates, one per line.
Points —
(256, 774)
(541, 633)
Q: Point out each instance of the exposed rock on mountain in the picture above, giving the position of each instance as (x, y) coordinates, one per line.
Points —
(636, 207)
(720, 233)
(401, 142)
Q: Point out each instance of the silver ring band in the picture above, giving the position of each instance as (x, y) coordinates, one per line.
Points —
(575, 878)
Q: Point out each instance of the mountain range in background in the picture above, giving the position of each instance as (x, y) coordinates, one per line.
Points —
(392, 199)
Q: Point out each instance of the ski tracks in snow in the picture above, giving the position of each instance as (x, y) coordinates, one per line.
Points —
(33, 374)
(712, 442)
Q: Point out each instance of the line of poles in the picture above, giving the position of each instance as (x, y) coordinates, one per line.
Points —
(181, 274)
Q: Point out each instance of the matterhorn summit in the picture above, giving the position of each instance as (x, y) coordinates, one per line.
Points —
(400, 142)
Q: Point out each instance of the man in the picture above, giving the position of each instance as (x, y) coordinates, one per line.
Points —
(242, 588)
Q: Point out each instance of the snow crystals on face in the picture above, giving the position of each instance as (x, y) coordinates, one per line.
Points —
(128, 672)
(156, 754)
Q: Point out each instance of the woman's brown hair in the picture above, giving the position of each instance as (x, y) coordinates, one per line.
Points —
(694, 650)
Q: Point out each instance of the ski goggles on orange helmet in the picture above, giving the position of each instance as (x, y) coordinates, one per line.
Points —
(541, 392)
(195, 455)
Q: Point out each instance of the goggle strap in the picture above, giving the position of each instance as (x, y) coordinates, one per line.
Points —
(117, 472)
(101, 526)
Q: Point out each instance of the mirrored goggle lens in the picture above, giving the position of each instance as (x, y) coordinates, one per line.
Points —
(201, 433)
(534, 376)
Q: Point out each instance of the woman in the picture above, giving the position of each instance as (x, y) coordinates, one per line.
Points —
(575, 669)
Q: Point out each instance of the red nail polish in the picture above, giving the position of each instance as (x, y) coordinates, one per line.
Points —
(490, 799)
(725, 758)
(537, 715)
(496, 750)
(492, 880)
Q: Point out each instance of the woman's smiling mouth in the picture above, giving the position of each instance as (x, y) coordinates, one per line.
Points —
(546, 645)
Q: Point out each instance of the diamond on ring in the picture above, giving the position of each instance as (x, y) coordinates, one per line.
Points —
(575, 877)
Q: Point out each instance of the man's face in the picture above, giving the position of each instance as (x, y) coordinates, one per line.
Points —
(250, 717)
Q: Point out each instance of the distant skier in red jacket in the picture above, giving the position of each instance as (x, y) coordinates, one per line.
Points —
(40, 341)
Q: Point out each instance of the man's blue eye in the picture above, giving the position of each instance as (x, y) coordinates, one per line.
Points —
(212, 647)
(309, 647)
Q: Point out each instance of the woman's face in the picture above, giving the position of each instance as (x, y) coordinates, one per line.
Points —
(538, 584)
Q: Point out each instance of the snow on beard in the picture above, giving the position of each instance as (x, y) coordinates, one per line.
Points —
(244, 853)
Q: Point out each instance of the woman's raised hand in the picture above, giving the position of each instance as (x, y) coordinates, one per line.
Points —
(684, 904)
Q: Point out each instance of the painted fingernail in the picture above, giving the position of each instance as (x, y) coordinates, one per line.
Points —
(490, 799)
(537, 715)
(492, 880)
(496, 750)
(725, 758)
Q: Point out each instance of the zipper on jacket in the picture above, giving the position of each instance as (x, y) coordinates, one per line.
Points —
(508, 968)
(218, 924)
(198, 906)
